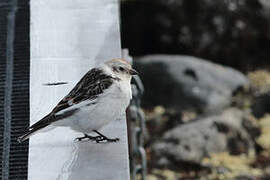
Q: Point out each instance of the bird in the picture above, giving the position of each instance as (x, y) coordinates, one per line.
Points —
(100, 97)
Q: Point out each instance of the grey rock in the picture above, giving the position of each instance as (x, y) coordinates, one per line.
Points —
(187, 82)
(193, 141)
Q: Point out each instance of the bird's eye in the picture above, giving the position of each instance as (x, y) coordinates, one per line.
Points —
(121, 69)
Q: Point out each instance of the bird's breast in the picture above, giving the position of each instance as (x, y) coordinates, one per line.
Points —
(109, 107)
(119, 95)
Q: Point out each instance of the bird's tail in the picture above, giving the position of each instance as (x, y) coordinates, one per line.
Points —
(35, 127)
(25, 136)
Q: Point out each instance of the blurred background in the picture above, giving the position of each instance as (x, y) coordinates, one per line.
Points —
(205, 69)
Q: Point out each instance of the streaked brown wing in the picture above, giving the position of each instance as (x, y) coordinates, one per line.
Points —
(89, 87)
(93, 83)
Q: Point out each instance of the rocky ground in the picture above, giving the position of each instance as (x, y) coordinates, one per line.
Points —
(205, 121)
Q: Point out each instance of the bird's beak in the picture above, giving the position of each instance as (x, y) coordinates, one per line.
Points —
(133, 72)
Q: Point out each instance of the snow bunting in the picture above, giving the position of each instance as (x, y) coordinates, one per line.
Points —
(100, 97)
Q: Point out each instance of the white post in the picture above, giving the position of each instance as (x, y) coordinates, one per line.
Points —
(69, 37)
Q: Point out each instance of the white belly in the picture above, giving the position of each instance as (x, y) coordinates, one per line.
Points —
(107, 108)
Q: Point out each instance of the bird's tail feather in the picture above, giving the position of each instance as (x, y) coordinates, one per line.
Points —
(34, 128)
(24, 136)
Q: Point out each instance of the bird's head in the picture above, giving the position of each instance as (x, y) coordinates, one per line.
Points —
(121, 69)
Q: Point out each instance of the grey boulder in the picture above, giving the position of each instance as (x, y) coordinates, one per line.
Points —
(185, 82)
(231, 131)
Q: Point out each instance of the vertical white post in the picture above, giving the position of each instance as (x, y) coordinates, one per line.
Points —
(69, 37)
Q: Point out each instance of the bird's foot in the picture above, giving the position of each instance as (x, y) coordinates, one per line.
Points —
(98, 139)
(101, 138)
(87, 137)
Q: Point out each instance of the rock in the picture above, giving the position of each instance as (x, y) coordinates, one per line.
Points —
(185, 82)
(193, 141)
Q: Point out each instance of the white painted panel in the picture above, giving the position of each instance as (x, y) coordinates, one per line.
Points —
(68, 37)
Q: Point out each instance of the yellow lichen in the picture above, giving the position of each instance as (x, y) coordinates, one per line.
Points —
(166, 174)
(264, 138)
(260, 81)
(233, 165)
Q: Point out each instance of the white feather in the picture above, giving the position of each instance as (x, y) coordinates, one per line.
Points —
(106, 108)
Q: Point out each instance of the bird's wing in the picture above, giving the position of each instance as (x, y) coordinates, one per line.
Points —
(88, 88)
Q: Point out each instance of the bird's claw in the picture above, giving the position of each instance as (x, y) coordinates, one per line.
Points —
(97, 139)
(81, 138)
(104, 138)
(100, 139)
(85, 137)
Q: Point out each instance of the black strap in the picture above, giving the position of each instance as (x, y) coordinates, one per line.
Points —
(14, 86)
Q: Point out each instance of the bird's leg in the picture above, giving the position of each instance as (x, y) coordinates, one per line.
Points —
(86, 136)
(105, 138)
